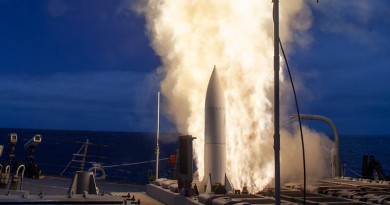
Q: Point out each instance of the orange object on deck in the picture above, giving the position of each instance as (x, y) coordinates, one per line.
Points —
(172, 160)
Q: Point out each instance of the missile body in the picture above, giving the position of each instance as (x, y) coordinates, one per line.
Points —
(215, 132)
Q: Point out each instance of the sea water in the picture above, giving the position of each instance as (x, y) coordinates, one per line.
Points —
(137, 150)
(58, 147)
(353, 147)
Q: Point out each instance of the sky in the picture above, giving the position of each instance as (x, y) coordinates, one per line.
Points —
(346, 68)
(88, 65)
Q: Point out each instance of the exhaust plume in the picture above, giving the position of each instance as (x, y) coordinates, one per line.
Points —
(236, 36)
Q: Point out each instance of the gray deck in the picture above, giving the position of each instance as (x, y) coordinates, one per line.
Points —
(318, 192)
(54, 190)
(52, 185)
(339, 191)
(332, 191)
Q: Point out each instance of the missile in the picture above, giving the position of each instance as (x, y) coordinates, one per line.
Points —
(215, 133)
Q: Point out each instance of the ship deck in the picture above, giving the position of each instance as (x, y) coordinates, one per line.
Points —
(53, 189)
(54, 185)
(330, 191)
(339, 191)
(318, 192)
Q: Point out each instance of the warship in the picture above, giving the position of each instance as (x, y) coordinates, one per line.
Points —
(24, 183)
(215, 188)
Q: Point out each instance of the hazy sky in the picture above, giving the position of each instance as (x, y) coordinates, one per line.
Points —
(88, 64)
(346, 69)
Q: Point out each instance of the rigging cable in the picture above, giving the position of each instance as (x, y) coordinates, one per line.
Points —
(300, 123)
(134, 163)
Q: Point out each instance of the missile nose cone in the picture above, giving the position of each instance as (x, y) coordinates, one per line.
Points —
(215, 95)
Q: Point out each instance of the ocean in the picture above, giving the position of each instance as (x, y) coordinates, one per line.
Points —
(117, 148)
(353, 147)
(108, 148)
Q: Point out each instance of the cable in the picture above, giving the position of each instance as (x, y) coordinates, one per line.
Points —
(134, 163)
(300, 123)
(357, 174)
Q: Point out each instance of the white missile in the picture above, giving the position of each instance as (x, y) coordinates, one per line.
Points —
(215, 132)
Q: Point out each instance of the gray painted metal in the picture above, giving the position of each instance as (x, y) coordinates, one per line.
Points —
(335, 134)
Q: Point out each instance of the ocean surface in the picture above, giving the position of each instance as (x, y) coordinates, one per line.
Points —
(136, 150)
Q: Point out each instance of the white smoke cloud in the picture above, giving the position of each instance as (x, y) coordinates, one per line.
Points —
(193, 36)
(317, 154)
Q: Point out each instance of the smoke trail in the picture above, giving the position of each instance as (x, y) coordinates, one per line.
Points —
(236, 36)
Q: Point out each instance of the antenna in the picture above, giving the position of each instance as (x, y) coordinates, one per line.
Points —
(276, 102)
(158, 133)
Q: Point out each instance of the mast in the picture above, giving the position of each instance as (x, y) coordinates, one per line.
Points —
(158, 133)
(276, 101)
(84, 155)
